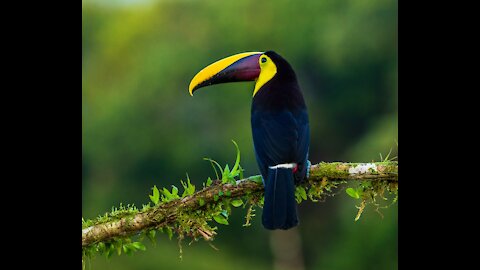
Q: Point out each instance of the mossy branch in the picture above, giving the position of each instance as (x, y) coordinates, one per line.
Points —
(169, 214)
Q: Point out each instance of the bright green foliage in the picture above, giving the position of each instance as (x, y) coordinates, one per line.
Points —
(256, 179)
(189, 189)
(169, 196)
(117, 245)
(300, 194)
(237, 203)
(209, 181)
(193, 223)
(354, 193)
(236, 168)
(116, 214)
(151, 236)
(199, 222)
(156, 195)
(214, 163)
(169, 232)
(221, 219)
(228, 176)
(130, 248)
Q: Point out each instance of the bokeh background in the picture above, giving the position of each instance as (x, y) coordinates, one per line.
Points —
(141, 127)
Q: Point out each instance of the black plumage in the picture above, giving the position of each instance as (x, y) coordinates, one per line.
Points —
(281, 135)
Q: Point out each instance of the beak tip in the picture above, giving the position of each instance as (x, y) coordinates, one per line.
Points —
(191, 89)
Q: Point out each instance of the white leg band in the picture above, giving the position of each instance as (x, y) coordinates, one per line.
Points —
(284, 166)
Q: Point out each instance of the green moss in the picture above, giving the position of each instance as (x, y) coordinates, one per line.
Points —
(116, 214)
(388, 167)
(199, 220)
(335, 170)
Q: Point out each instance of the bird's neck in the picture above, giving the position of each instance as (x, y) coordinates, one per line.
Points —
(279, 95)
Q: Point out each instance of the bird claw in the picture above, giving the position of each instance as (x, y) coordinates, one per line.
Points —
(299, 178)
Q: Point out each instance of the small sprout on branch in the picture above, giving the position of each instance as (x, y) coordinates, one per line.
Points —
(156, 195)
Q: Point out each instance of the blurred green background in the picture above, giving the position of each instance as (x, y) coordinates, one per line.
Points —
(141, 127)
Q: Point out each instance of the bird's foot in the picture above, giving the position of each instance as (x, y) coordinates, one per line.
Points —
(309, 164)
(302, 176)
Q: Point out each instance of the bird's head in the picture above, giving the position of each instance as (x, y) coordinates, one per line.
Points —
(260, 67)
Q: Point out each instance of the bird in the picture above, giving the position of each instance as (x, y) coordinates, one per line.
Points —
(279, 123)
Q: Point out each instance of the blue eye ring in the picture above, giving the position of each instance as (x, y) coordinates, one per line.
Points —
(263, 59)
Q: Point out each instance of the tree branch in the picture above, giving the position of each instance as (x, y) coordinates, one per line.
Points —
(167, 213)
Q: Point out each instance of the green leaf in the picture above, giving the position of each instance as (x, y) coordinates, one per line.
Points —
(237, 203)
(303, 193)
(215, 197)
(226, 174)
(300, 194)
(174, 191)
(127, 250)
(201, 202)
(209, 181)
(151, 236)
(138, 246)
(352, 193)
(190, 187)
(171, 195)
(130, 248)
(216, 163)
(110, 250)
(185, 187)
(237, 160)
(388, 155)
(191, 190)
(312, 193)
(101, 247)
(228, 193)
(118, 246)
(169, 232)
(156, 195)
(220, 219)
(256, 179)
(167, 194)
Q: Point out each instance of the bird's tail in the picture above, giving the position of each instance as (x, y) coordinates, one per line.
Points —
(280, 207)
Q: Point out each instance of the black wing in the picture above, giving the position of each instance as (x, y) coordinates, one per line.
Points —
(280, 137)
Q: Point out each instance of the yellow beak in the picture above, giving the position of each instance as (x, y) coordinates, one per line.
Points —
(235, 68)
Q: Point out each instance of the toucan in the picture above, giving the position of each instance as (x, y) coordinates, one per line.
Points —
(280, 128)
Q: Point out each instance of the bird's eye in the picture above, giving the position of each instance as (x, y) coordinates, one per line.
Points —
(264, 59)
